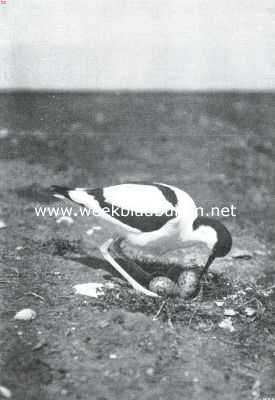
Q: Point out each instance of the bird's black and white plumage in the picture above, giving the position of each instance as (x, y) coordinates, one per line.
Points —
(153, 216)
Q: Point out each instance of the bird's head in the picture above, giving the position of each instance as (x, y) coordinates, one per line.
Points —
(215, 235)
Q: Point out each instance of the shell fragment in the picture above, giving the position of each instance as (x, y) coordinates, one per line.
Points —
(92, 289)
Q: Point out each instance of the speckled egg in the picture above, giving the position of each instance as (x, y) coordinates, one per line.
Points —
(163, 286)
(189, 283)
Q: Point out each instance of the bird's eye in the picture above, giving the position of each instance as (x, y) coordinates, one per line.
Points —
(215, 248)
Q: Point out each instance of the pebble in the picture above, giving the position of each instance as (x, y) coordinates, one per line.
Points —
(67, 220)
(5, 392)
(18, 248)
(4, 132)
(2, 224)
(93, 229)
(229, 312)
(27, 314)
(150, 372)
(227, 324)
(103, 324)
(250, 312)
(39, 345)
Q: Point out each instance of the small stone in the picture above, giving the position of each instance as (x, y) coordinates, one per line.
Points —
(5, 392)
(219, 303)
(39, 345)
(27, 314)
(229, 312)
(4, 132)
(94, 228)
(227, 324)
(103, 324)
(110, 285)
(250, 312)
(150, 372)
(65, 219)
(18, 248)
(2, 224)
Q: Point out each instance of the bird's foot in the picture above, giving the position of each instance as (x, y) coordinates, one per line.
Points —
(156, 316)
(165, 306)
(170, 323)
(199, 297)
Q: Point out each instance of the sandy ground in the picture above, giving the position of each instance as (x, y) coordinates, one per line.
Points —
(220, 148)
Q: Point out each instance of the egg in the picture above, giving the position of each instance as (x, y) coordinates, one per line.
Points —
(189, 283)
(163, 286)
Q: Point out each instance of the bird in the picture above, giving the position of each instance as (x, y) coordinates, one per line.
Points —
(150, 216)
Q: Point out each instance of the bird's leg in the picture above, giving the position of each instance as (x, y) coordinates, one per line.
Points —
(105, 250)
(163, 304)
(170, 310)
(133, 269)
(166, 304)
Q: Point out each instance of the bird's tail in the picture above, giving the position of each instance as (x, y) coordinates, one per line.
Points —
(78, 195)
(61, 192)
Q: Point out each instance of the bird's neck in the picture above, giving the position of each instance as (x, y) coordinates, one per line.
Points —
(205, 234)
